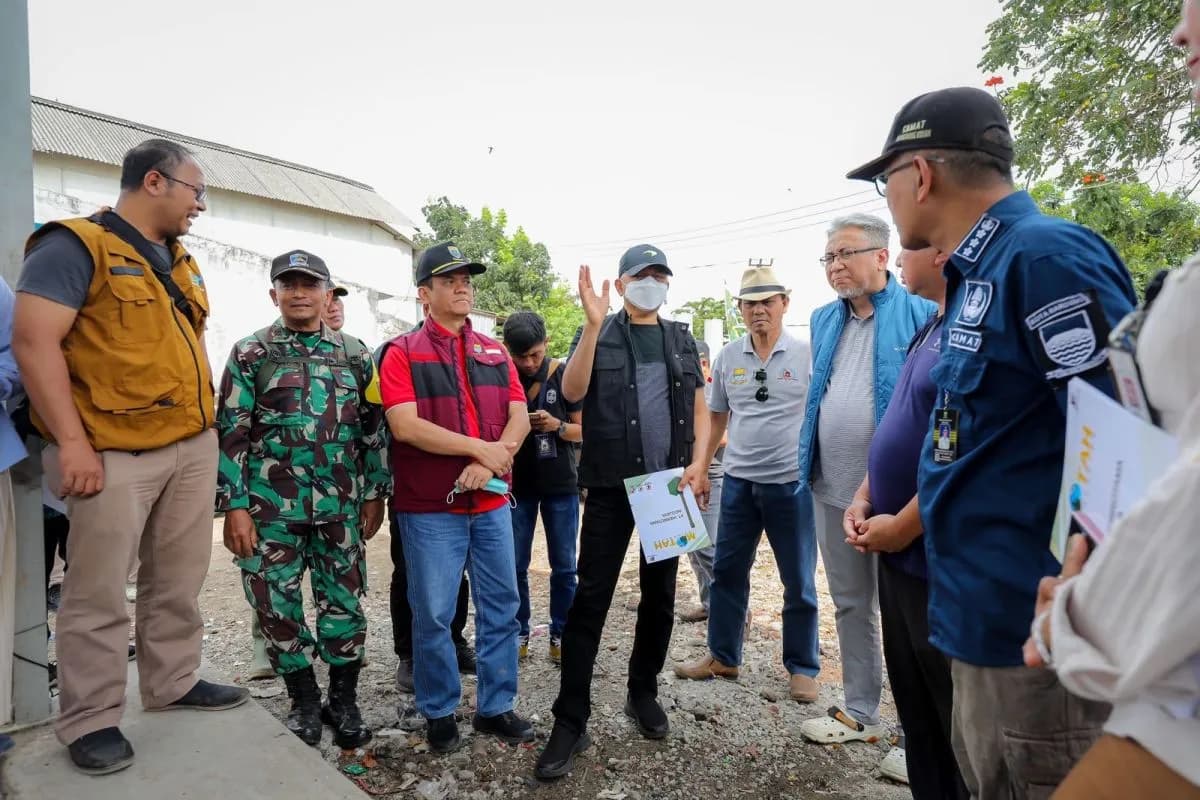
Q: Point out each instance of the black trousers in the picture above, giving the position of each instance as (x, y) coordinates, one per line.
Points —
(402, 611)
(603, 541)
(920, 677)
(56, 527)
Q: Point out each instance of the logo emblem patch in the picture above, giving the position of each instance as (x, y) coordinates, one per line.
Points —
(454, 251)
(979, 298)
(1071, 332)
(738, 378)
(298, 260)
(551, 396)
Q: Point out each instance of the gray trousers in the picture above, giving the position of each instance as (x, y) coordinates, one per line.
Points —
(1017, 732)
(852, 585)
(702, 559)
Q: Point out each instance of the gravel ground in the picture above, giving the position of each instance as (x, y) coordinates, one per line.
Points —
(732, 739)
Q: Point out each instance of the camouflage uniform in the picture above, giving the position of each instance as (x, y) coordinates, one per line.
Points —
(302, 456)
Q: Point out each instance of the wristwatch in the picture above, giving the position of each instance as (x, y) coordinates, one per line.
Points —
(562, 428)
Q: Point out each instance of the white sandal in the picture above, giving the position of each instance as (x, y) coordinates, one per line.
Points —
(837, 727)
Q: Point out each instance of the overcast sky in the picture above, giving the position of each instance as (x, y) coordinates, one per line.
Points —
(611, 123)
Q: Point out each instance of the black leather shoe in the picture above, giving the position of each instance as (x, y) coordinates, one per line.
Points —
(466, 658)
(101, 752)
(648, 714)
(442, 734)
(558, 758)
(205, 696)
(507, 727)
(404, 675)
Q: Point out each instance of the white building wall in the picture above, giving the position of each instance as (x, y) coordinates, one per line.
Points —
(234, 242)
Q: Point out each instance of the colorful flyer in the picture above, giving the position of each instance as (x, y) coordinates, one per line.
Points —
(1112, 457)
(668, 520)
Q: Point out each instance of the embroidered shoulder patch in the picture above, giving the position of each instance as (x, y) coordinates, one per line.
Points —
(977, 240)
(1070, 333)
(979, 298)
(964, 339)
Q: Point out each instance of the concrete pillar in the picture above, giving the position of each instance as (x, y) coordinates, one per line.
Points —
(27, 635)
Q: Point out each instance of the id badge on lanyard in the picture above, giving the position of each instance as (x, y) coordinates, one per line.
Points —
(945, 433)
(545, 444)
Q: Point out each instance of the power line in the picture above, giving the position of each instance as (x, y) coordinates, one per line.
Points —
(741, 236)
(626, 239)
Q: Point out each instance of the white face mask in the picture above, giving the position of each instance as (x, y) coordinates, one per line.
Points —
(647, 294)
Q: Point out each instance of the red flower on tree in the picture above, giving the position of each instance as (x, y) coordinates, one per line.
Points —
(994, 81)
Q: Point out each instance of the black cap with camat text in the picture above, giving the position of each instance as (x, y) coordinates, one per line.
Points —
(948, 119)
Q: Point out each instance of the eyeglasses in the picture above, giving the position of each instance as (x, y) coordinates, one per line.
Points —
(881, 179)
(760, 376)
(201, 191)
(844, 255)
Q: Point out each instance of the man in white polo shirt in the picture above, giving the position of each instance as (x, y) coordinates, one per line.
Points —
(762, 379)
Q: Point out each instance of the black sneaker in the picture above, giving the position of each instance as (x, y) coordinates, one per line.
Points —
(648, 714)
(101, 752)
(442, 734)
(507, 727)
(132, 652)
(466, 658)
(54, 597)
(558, 757)
(205, 696)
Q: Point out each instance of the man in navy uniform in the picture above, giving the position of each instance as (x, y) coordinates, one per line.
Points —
(1029, 302)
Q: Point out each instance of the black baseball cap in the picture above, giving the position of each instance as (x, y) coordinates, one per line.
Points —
(442, 258)
(948, 119)
(299, 261)
(340, 291)
(640, 256)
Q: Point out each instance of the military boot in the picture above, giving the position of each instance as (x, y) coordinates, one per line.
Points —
(341, 712)
(304, 718)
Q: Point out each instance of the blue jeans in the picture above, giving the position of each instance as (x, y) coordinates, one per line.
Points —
(746, 509)
(560, 518)
(436, 548)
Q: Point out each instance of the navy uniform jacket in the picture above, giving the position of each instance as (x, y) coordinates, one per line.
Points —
(1030, 300)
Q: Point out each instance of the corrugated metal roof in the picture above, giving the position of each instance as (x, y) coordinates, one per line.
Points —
(67, 130)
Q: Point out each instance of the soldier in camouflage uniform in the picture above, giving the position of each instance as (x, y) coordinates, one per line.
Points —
(302, 483)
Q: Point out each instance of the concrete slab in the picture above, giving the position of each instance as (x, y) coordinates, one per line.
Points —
(241, 754)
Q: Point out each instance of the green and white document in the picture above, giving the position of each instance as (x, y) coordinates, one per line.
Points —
(668, 519)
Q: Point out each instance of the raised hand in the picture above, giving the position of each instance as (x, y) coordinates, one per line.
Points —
(595, 306)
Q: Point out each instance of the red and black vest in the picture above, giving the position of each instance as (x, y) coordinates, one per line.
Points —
(423, 480)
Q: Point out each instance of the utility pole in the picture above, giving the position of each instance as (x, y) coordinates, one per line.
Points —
(24, 678)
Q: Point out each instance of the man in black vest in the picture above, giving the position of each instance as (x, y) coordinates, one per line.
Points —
(642, 389)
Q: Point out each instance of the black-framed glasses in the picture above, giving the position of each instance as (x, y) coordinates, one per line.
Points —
(760, 376)
(881, 180)
(844, 255)
(200, 191)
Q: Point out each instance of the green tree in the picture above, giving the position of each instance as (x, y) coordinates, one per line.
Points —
(519, 273)
(1151, 230)
(1099, 87)
(707, 308)
(563, 316)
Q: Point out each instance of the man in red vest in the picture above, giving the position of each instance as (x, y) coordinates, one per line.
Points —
(457, 413)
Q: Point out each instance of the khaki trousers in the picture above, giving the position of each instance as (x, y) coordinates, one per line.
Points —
(156, 505)
(1121, 769)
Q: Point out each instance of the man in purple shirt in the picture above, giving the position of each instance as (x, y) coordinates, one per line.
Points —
(884, 518)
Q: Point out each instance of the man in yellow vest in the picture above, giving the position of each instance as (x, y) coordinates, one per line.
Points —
(109, 335)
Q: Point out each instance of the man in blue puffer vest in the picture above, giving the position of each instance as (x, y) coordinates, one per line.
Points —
(859, 343)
